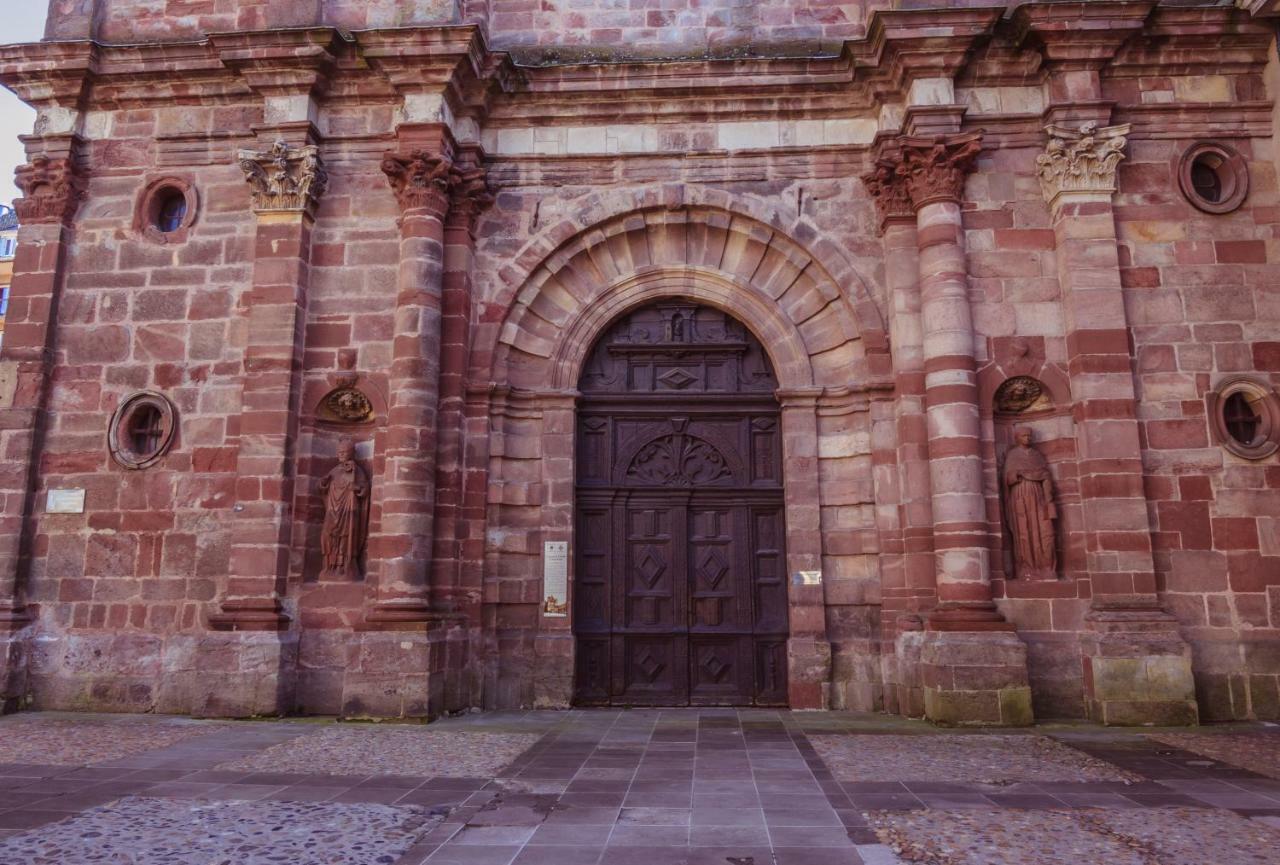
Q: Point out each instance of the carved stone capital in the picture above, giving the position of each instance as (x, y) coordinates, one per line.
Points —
(469, 195)
(889, 192)
(421, 180)
(1081, 162)
(284, 178)
(934, 168)
(51, 190)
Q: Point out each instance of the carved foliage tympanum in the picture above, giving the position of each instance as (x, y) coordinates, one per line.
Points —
(51, 190)
(284, 178)
(678, 460)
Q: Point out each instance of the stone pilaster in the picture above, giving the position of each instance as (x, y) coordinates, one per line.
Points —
(808, 648)
(972, 666)
(52, 188)
(1137, 668)
(910, 588)
(285, 183)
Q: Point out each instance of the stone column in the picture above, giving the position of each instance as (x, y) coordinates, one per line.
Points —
(285, 182)
(469, 197)
(51, 191)
(401, 551)
(973, 667)
(910, 590)
(1137, 668)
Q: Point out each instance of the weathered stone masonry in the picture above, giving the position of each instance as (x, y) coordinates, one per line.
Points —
(409, 222)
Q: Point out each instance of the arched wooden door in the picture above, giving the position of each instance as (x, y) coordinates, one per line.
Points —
(680, 591)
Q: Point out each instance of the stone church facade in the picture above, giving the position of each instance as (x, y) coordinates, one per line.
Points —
(396, 358)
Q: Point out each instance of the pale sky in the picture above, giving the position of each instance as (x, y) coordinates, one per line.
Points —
(20, 21)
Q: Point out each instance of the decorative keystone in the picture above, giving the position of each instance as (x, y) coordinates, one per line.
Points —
(51, 190)
(284, 178)
(1081, 161)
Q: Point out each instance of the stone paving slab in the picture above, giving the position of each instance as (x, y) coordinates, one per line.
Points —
(150, 831)
(45, 741)
(394, 750)
(1161, 836)
(1256, 751)
(970, 758)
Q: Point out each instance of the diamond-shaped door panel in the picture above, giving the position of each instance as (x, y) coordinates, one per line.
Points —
(677, 379)
(650, 566)
(712, 569)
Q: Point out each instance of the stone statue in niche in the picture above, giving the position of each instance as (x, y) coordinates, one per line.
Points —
(1029, 510)
(346, 516)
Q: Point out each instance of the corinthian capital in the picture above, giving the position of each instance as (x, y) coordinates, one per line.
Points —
(420, 180)
(469, 195)
(888, 190)
(284, 178)
(935, 168)
(51, 190)
(1081, 162)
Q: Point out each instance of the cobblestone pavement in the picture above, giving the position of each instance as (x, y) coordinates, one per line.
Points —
(613, 787)
(73, 741)
(968, 757)
(391, 750)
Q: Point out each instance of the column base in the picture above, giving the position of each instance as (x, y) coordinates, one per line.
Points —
(907, 686)
(245, 673)
(808, 673)
(975, 678)
(400, 612)
(250, 614)
(14, 653)
(1137, 669)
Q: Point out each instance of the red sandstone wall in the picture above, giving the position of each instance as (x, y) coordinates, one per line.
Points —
(1202, 298)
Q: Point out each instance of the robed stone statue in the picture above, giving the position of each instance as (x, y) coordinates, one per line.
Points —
(346, 515)
(1029, 510)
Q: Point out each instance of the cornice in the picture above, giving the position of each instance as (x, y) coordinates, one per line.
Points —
(975, 46)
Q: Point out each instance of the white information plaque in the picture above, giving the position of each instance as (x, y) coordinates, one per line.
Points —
(64, 502)
(555, 578)
(808, 578)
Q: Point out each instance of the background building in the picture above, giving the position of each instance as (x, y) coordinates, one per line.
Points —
(8, 246)
(390, 359)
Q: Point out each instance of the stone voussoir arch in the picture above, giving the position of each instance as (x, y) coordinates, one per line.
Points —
(656, 242)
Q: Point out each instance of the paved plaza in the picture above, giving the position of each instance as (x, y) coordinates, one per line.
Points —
(638, 787)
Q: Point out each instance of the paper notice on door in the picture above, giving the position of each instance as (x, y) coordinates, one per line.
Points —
(555, 578)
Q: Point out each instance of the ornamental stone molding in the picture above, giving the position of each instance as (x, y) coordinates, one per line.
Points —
(934, 168)
(51, 190)
(1081, 162)
(284, 178)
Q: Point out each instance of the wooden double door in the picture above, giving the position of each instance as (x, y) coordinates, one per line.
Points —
(680, 589)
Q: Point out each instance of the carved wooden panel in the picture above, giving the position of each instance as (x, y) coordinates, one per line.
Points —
(680, 589)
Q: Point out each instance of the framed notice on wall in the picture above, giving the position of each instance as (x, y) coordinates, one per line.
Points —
(555, 578)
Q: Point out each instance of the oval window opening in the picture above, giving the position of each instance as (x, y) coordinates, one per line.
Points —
(146, 431)
(172, 211)
(1241, 418)
(1206, 179)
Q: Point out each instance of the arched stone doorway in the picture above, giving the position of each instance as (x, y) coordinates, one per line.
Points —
(680, 594)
